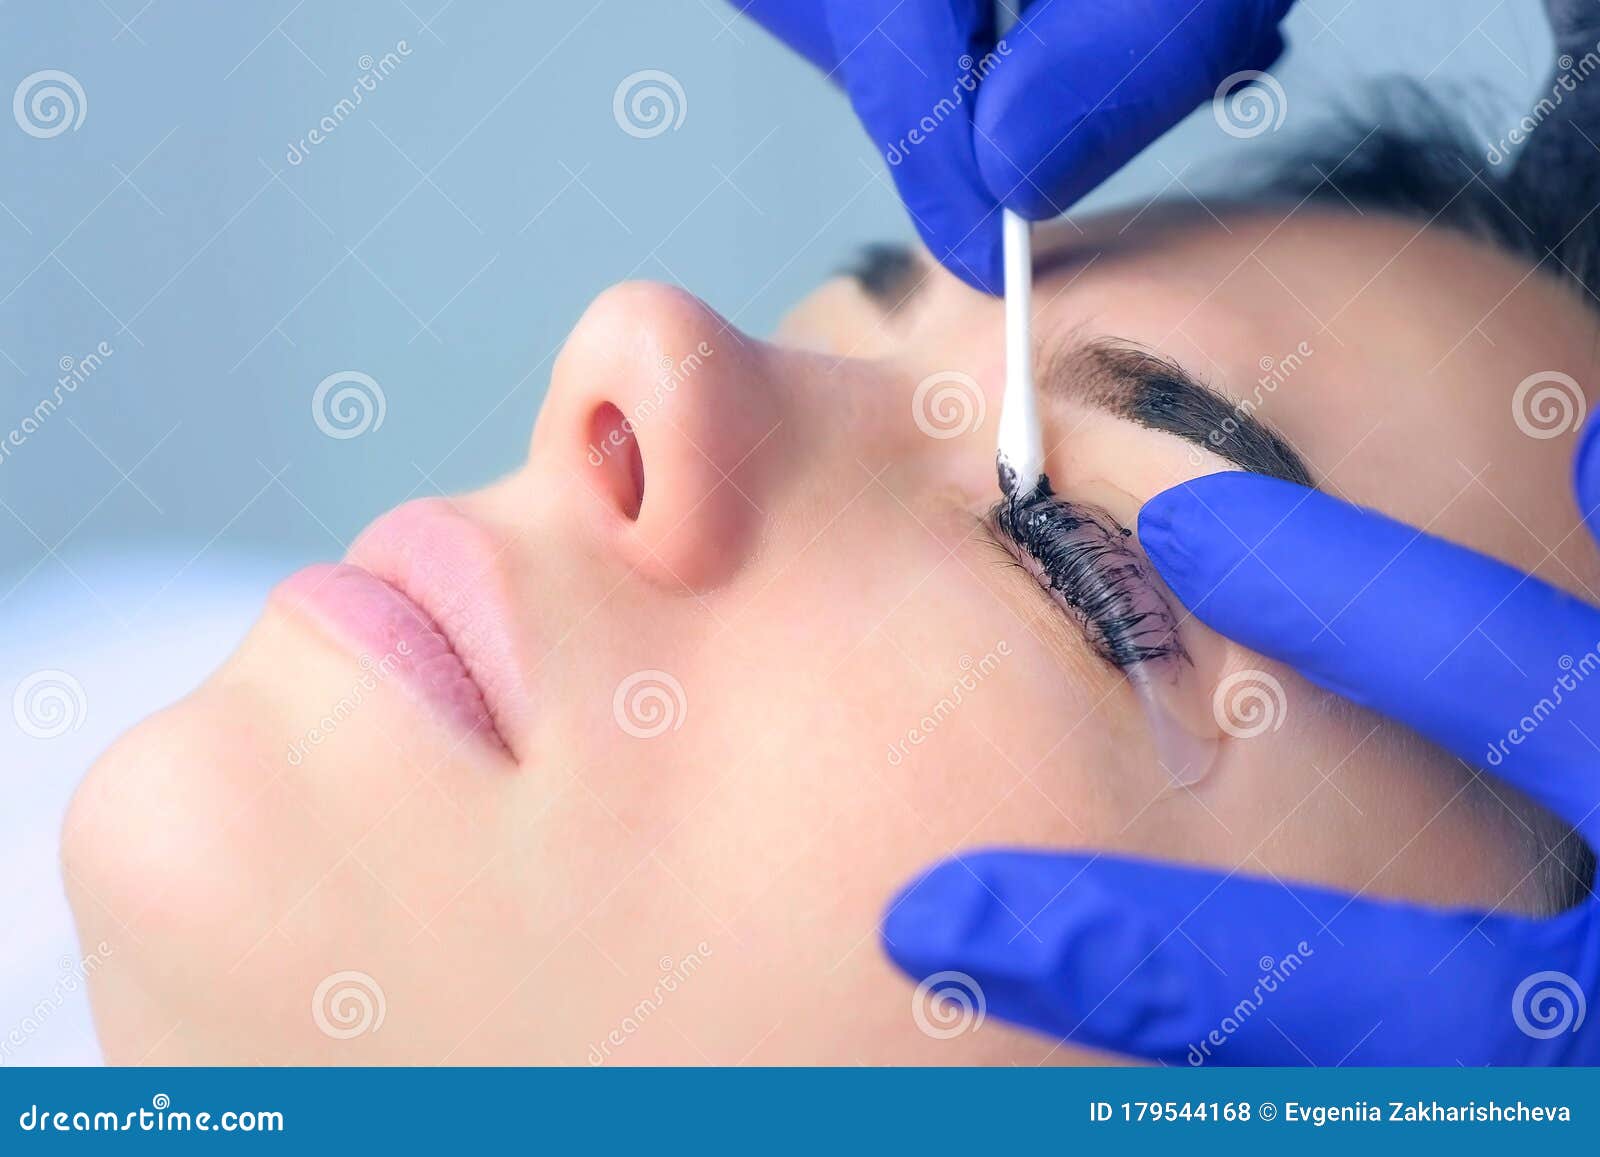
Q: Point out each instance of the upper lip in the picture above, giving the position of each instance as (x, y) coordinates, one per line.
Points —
(450, 567)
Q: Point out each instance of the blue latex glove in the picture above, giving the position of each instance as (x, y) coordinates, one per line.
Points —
(1123, 955)
(1082, 89)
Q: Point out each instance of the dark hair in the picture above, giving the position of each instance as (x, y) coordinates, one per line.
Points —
(1413, 157)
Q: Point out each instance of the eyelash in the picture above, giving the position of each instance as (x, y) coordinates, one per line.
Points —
(882, 270)
(1081, 556)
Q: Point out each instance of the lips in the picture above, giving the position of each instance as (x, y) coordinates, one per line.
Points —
(424, 595)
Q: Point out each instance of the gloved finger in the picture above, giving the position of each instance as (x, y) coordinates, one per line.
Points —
(1586, 476)
(1492, 664)
(1083, 88)
(910, 71)
(1196, 967)
(801, 24)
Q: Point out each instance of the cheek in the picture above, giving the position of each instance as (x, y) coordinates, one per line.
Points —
(991, 716)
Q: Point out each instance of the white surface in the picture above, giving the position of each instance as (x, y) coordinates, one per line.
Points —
(1021, 442)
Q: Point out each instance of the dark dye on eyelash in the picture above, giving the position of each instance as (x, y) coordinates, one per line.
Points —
(1082, 556)
(1008, 477)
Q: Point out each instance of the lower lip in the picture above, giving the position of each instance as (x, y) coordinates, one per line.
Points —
(397, 640)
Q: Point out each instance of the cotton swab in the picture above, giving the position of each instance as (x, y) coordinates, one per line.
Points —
(1020, 456)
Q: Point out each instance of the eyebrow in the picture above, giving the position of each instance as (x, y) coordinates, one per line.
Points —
(1129, 382)
(1115, 376)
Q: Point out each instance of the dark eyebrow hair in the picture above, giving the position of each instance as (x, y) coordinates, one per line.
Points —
(1130, 382)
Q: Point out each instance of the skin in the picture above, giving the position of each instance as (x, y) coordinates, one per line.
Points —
(809, 565)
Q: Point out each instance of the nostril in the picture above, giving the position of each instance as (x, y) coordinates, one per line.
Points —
(614, 453)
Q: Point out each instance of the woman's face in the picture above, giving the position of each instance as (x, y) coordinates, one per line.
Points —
(628, 766)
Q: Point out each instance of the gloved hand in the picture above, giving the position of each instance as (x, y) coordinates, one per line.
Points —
(1076, 91)
(1492, 664)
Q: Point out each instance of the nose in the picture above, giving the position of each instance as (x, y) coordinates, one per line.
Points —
(671, 422)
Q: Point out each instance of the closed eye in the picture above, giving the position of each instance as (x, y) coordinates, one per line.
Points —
(1084, 560)
(888, 273)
